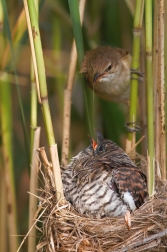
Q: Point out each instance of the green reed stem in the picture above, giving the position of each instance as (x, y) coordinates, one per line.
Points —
(150, 101)
(34, 144)
(41, 72)
(39, 68)
(138, 17)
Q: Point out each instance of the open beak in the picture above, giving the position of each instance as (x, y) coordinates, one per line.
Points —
(94, 144)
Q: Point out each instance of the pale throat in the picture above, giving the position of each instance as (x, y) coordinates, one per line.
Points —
(109, 77)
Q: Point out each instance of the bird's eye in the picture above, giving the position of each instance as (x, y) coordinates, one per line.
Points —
(101, 148)
(109, 67)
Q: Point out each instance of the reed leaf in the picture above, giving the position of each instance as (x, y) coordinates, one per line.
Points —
(74, 12)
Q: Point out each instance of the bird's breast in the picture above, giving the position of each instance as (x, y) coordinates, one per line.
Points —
(94, 197)
(113, 86)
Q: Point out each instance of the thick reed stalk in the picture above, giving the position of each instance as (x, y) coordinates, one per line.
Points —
(39, 69)
(159, 90)
(34, 144)
(138, 18)
(165, 57)
(156, 93)
(33, 114)
(150, 101)
(33, 191)
(68, 93)
(162, 139)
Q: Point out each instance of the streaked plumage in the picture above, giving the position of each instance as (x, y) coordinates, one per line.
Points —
(103, 181)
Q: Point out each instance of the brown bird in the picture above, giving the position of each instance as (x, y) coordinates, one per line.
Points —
(108, 73)
(102, 181)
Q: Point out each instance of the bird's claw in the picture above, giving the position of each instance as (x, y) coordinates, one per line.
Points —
(140, 75)
(133, 128)
(135, 71)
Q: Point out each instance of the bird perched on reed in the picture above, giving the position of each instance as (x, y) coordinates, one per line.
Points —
(108, 72)
(102, 181)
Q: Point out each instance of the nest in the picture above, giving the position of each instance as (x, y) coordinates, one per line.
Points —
(64, 229)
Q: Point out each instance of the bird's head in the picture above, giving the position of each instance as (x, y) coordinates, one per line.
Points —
(101, 145)
(101, 64)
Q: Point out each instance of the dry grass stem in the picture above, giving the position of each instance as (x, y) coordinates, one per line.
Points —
(30, 32)
(33, 190)
(159, 89)
(68, 94)
(162, 139)
(156, 93)
(134, 147)
(56, 171)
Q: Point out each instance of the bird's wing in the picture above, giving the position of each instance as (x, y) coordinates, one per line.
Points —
(132, 180)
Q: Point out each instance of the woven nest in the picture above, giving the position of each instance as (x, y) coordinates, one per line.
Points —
(64, 229)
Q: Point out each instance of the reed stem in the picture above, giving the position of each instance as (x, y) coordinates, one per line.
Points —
(33, 191)
(68, 93)
(39, 69)
(150, 101)
(138, 17)
(162, 139)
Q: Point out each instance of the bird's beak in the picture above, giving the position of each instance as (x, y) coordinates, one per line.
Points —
(98, 76)
(94, 144)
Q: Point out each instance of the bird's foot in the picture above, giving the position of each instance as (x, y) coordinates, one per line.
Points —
(131, 127)
(140, 75)
(128, 219)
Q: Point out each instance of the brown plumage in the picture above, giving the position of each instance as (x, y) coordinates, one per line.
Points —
(103, 181)
(108, 73)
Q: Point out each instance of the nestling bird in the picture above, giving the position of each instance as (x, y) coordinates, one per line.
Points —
(108, 72)
(102, 181)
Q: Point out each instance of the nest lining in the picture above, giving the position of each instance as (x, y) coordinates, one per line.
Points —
(64, 229)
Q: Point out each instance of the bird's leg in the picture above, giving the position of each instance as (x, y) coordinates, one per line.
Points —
(128, 219)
